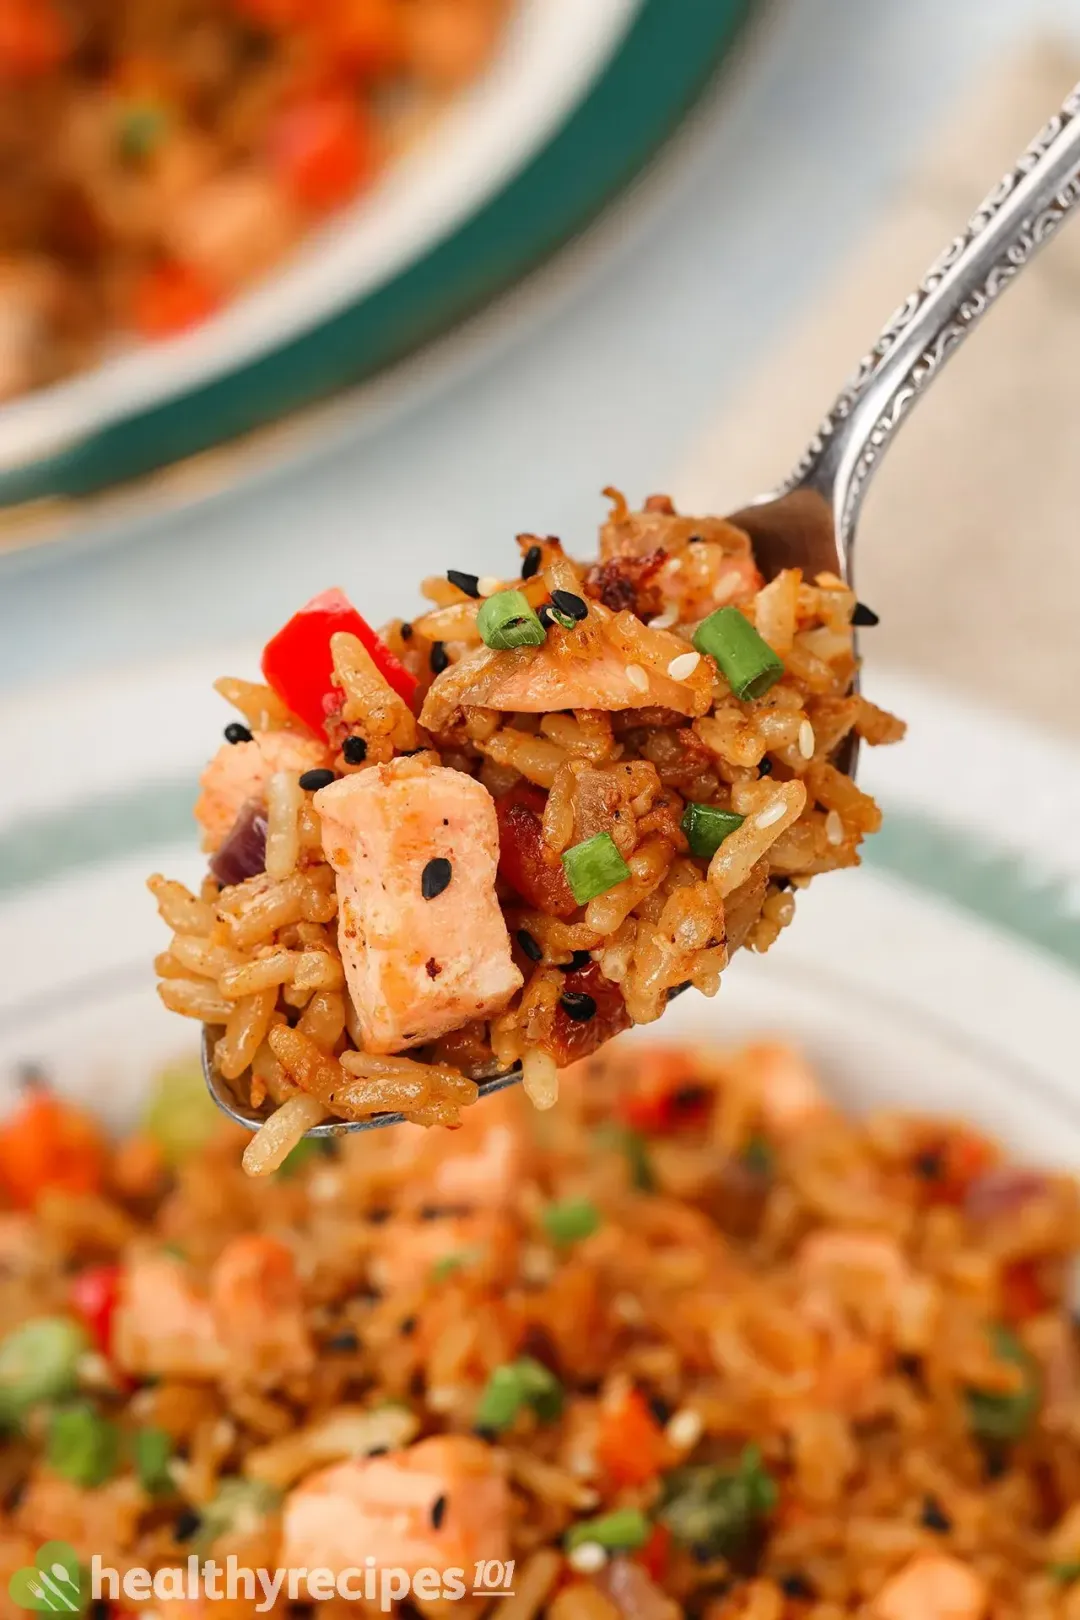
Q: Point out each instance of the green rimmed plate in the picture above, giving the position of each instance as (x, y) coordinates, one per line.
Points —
(581, 99)
(944, 975)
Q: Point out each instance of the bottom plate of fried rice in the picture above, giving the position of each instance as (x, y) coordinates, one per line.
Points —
(695, 1342)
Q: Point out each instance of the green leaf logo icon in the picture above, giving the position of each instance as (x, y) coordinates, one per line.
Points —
(52, 1582)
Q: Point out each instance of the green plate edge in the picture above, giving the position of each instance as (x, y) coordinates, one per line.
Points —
(662, 67)
(942, 861)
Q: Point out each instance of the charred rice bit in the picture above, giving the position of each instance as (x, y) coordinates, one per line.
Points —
(603, 734)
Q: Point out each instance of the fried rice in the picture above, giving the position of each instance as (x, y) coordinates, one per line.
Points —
(695, 1343)
(610, 730)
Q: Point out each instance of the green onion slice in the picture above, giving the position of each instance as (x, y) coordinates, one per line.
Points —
(1065, 1573)
(152, 1452)
(745, 659)
(448, 1264)
(621, 1531)
(706, 826)
(82, 1445)
(571, 1220)
(38, 1362)
(996, 1417)
(506, 620)
(593, 868)
(716, 1510)
(515, 1384)
(634, 1148)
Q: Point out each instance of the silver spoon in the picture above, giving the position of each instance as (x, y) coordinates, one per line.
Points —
(810, 522)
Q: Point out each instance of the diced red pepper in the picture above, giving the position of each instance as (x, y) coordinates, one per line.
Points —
(33, 38)
(95, 1294)
(171, 298)
(574, 1040)
(666, 1100)
(364, 38)
(521, 853)
(47, 1145)
(298, 665)
(323, 149)
(630, 1445)
(1022, 1292)
(962, 1158)
(655, 1556)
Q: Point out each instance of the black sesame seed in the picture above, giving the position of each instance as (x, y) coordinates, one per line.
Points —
(996, 1461)
(930, 1166)
(532, 948)
(864, 616)
(911, 1366)
(379, 1215)
(578, 1006)
(660, 1409)
(379, 1451)
(934, 1516)
(531, 565)
(407, 1326)
(187, 1525)
(694, 539)
(577, 963)
(354, 750)
(439, 659)
(236, 733)
(469, 583)
(573, 606)
(545, 615)
(483, 1432)
(436, 877)
(98, 1610)
(343, 1341)
(795, 1586)
(406, 631)
(312, 781)
(678, 989)
(765, 768)
(438, 1512)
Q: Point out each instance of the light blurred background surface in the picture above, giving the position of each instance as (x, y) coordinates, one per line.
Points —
(609, 367)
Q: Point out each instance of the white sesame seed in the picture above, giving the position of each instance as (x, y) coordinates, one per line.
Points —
(637, 677)
(685, 1429)
(684, 665)
(834, 828)
(325, 1186)
(665, 620)
(488, 585)
(588, 1559)
(807, 740)
(537, 1264)
(771, 814)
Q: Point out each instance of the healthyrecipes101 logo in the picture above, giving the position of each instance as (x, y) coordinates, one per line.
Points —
(56, 1581)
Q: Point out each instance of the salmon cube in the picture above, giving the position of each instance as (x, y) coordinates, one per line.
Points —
(933, 1587)
(441, 1504)
(240, 771)
(164, 1328)
(422, 938)
(258, 1306)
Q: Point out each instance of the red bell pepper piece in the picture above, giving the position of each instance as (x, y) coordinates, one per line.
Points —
(95, 1294)
(49, 1145)
(521, 853)
(1022, 1292)
(297, 662)
(655, 1556)
(630, 1444)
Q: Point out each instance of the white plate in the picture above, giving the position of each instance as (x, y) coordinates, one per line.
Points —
(944, 975)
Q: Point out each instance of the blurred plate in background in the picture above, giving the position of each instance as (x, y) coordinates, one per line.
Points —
(580, 98)
(945, 976)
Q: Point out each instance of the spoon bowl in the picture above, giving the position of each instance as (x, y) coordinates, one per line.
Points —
(810, 522)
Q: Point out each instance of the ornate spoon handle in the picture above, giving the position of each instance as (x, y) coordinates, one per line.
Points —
(1021, 213)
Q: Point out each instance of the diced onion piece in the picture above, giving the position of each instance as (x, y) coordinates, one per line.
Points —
(744, 658)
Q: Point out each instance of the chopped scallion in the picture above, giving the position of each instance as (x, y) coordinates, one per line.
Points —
(142, 129)
(622, 1531)
(571, 1220)
(448, 1264)
(507, 620)
(515, 1384)
(706, 826)
(152, 1451)
(1065, 1573)
(38, 1362)
(82, 1445)
(996, 1417)
(594, 867)
(634, 1148)
(745, 659)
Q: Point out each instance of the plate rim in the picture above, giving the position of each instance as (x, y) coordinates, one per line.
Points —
(660, 69)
